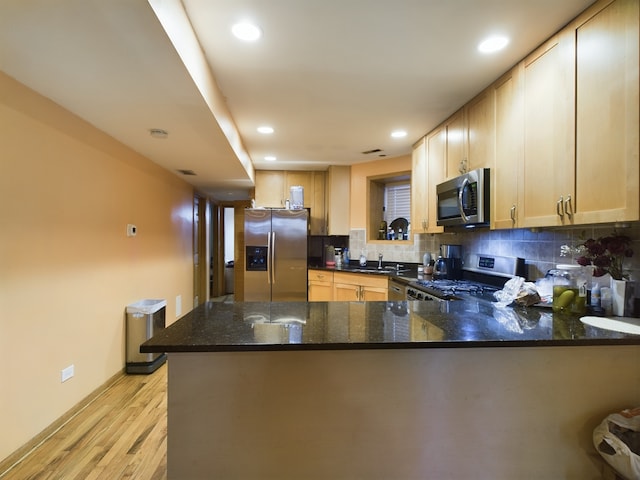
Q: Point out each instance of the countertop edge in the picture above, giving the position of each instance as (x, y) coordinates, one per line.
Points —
(284, 347)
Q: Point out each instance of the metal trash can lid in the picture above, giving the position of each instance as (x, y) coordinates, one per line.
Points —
(146, 306)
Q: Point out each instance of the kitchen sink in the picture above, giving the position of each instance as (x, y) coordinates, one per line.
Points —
(617, 324)
(369, 270)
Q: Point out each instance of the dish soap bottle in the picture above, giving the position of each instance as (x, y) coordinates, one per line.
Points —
(363, 258)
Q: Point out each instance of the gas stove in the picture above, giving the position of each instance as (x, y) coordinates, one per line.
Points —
(482, 275)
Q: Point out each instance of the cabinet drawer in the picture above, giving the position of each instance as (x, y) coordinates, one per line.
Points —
(364, 279)
(320, 276)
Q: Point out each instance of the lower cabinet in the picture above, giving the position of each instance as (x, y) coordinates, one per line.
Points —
(354, 287)
(320, 286)
(326, 286)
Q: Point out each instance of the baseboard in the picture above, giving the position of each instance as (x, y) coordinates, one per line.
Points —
(15, 457)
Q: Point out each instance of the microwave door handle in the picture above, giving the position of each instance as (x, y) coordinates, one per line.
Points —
(465, 183)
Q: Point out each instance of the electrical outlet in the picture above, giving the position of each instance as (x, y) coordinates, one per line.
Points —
(132, 230)
(178, 305)
(66, 373)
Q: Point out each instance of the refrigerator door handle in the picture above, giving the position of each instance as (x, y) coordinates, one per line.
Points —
(272, 270)
(269, 254)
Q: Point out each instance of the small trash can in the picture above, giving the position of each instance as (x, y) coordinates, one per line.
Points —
(144, 319)
(228, 277)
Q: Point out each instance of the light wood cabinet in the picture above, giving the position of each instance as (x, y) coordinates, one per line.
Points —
(419, 187)
(607, 129)
(506, 177)
(455, 144)
(480, 132)
(428, 166)
(273, 189)
(269, 191)
(436, 166)
(549, 124)
(337, 199)
(320, 288)
(352, 287)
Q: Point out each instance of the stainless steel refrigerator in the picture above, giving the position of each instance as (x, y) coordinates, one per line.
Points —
(276, 255)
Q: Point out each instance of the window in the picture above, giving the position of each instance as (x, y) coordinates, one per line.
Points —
(397, 201)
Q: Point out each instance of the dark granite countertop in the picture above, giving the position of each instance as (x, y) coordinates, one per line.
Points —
(253, 326)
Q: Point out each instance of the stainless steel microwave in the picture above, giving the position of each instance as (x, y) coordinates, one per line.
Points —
(464, 200)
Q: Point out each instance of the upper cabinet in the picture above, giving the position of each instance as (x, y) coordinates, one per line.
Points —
(506, 176)
(567, 126)
(456, 144)
(549, 125)
(337, 199)
(273, 189)
(607, 112)
(419, 187)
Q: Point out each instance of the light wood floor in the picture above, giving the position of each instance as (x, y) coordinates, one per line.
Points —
(121, 434)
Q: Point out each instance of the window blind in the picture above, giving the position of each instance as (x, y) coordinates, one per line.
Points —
(397, 201)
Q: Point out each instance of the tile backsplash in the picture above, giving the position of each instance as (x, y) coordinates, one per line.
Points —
(540, 249)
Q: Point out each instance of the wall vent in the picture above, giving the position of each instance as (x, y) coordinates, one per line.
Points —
(186, 172)
(375, 150)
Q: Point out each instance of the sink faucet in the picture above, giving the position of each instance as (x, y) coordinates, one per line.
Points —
(380, 261)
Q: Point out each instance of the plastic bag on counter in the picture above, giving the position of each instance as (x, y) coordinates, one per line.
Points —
(517, 291)
(617, 440)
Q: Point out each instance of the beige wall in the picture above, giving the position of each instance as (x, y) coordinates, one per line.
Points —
(359, 174)
(67, 269)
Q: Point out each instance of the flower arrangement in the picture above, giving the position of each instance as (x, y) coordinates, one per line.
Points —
(606, 254)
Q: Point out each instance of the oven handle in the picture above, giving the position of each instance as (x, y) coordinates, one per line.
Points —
(465, 183)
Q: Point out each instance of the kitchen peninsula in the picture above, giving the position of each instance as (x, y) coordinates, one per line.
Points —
(380, 390)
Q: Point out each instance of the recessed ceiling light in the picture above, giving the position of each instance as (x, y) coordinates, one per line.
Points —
(493, 44)
(246, 31)
(265, 129)
(399, 134)
(270, 158)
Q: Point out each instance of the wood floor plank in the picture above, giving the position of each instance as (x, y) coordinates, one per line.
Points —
(122, 434)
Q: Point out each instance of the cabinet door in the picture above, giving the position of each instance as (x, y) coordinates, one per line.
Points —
(373, 294)
(480, 132)
(607, 171)
(436, 165)
(269, 188)
(455, 132)
(419, 187)
(318, 224)
(338, 199)
(320, 292)
(346, 292)
(506, 177)
(549, 149)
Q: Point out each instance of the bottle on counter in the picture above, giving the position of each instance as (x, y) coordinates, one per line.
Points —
(345, 255)
(570, 289)
(595, 295)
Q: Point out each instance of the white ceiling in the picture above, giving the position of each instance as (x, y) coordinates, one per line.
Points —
(333, 77)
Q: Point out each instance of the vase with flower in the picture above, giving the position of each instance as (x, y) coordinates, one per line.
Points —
(606, 255)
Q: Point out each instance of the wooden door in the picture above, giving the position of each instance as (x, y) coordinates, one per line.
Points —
(456, 138)
(419, 187)
(480, 131)
(549, 121)
(436, 166)
(607, 172)
(506, 177)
